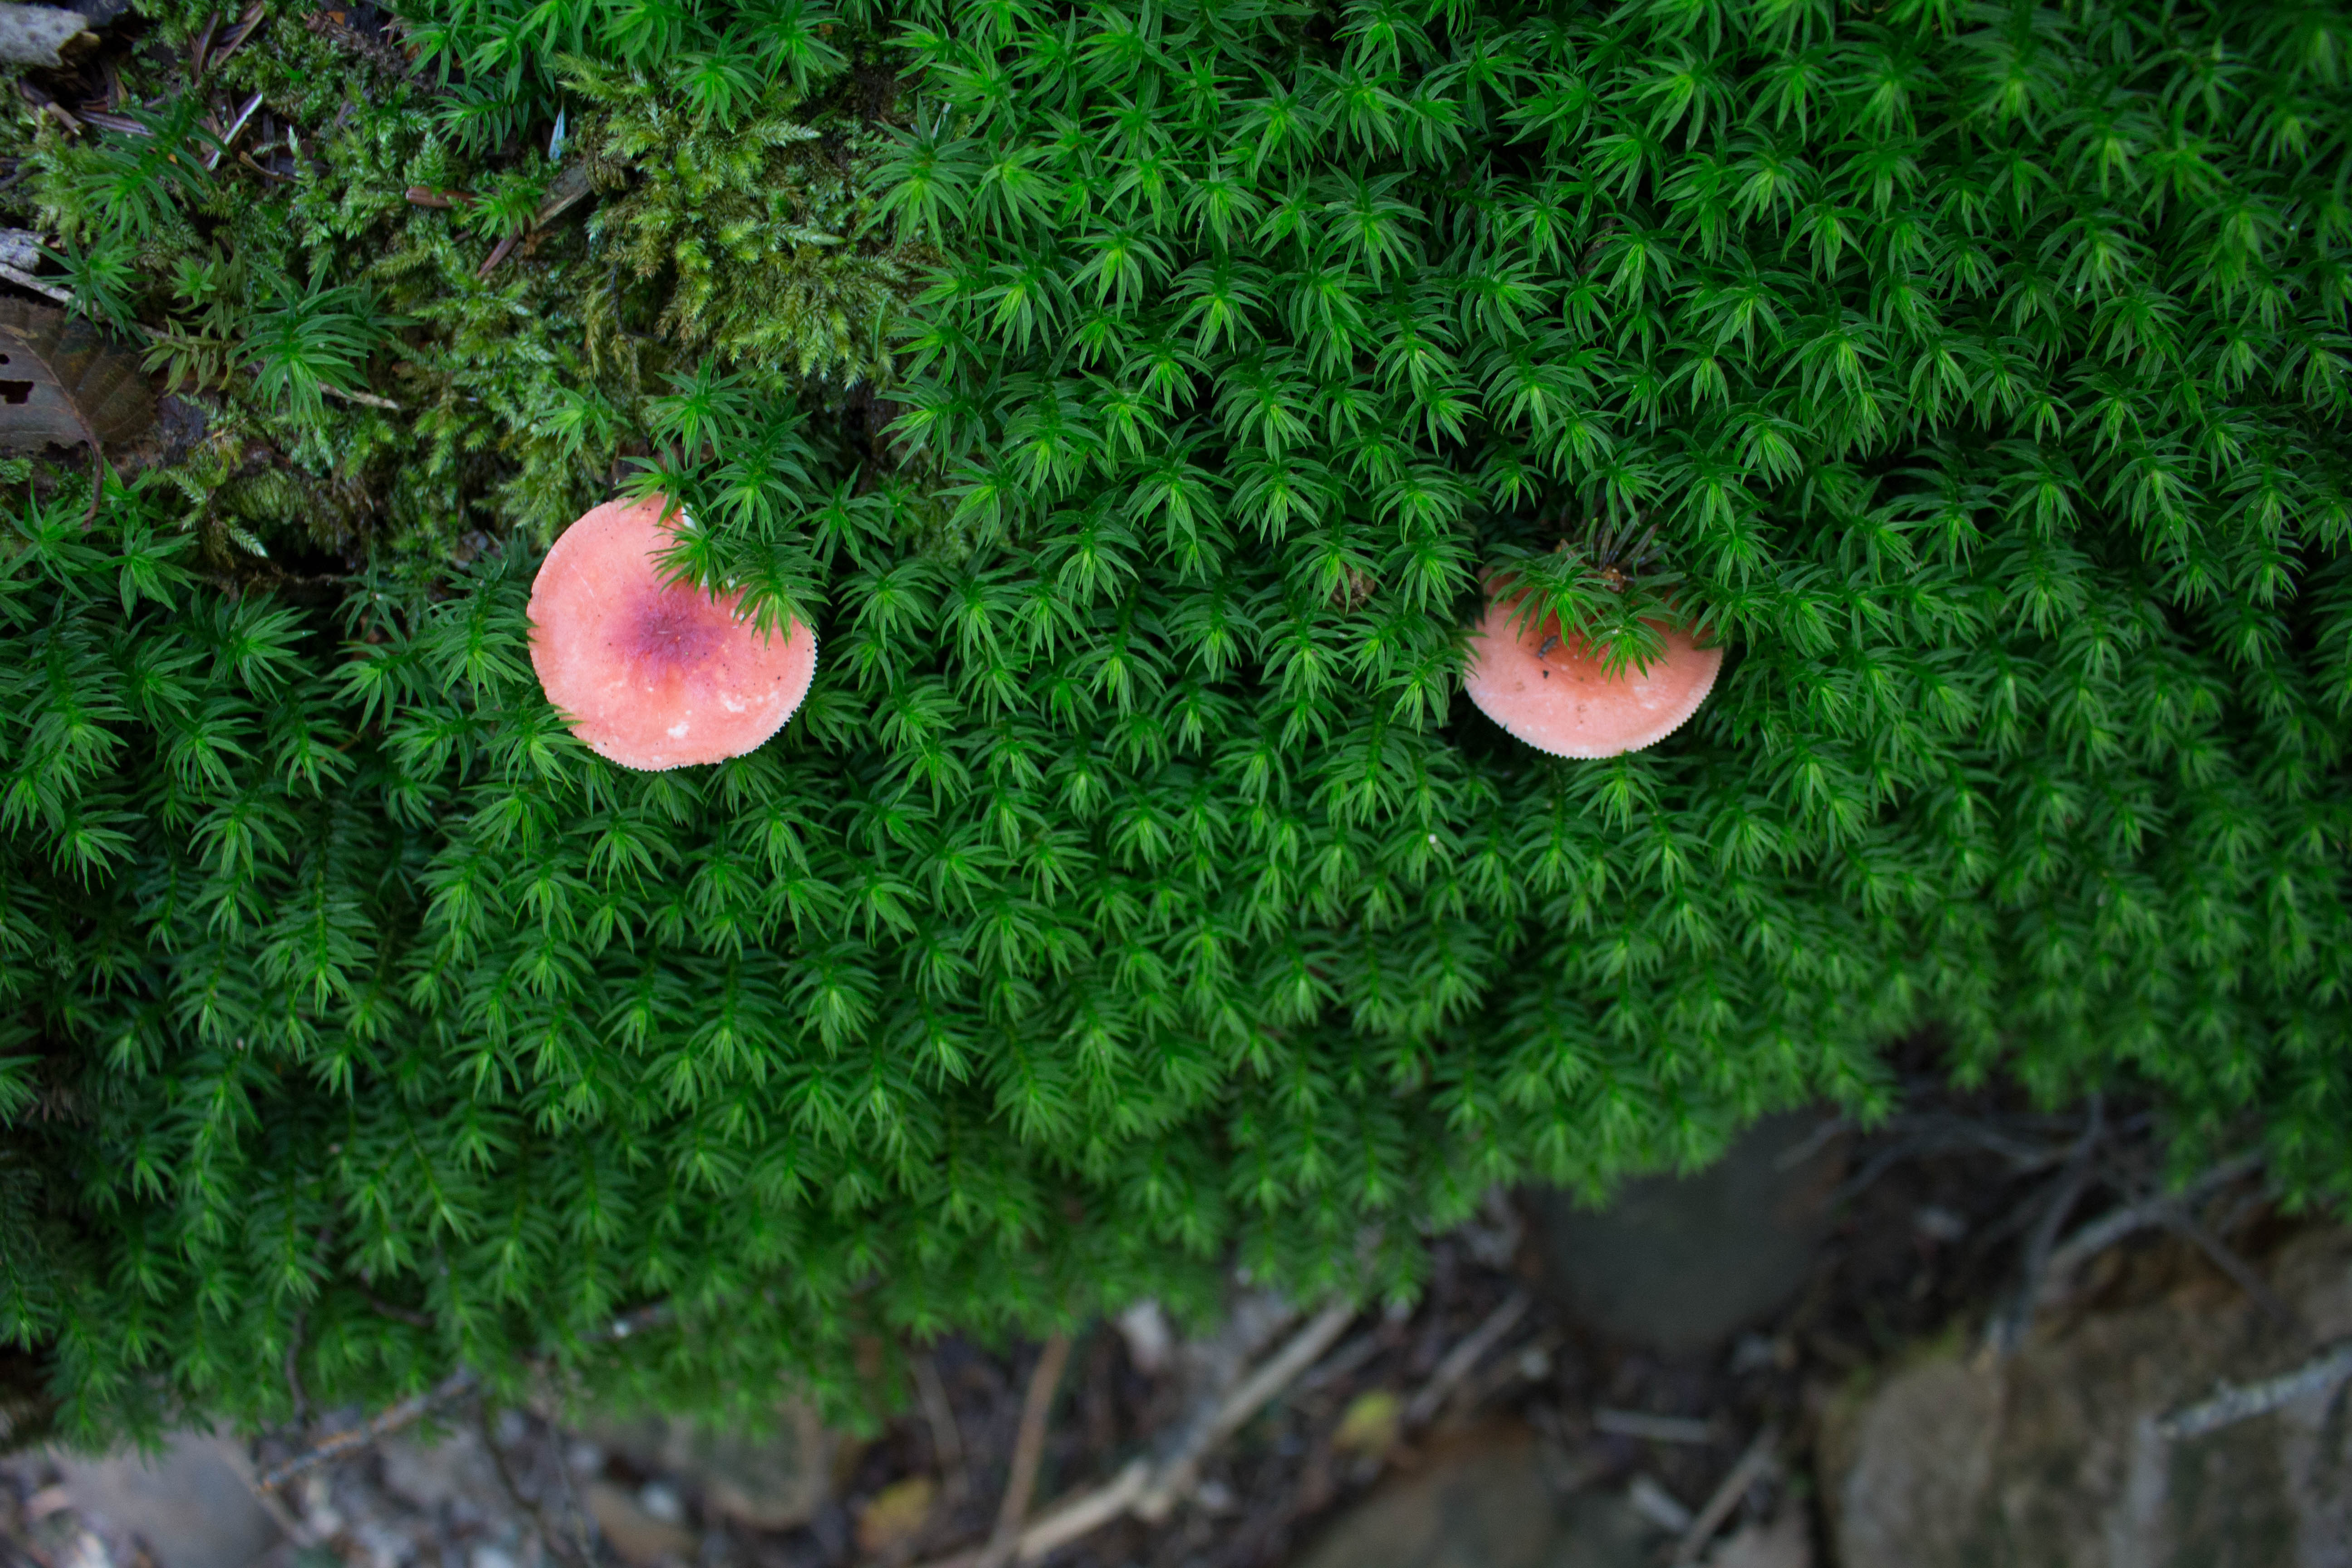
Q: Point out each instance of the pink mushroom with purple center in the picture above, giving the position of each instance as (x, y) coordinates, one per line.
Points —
(652, 674)
(1553, 691)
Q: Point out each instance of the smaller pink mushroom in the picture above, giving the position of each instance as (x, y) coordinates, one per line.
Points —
(1552, 693)
(650, 674)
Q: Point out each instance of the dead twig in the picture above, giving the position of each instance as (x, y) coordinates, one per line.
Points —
(1653, 1502)
(1757, 1462)
(1150, 1490)
(23, 279)
(1085, 1513)
(364, 399)
(418, 1405)
(247, 24)
(1175, 1476)
(203, 42)
(566, 1544)
(1923, 1135)
(502, 250)
(1651, 1428)
(391, 1420)
(2066, 1259)
(947, 1438)
(1028, 1452)
(570, 189)
(2007, 1330)
(2230, 1406)
(237, 128)
(1339, 1363)
(1813, 1143)
(2241, 1273)
(1464, 1357)
(291, 1524)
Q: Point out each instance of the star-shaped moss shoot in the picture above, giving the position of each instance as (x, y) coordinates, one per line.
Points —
(654, 674)
(1555, 693)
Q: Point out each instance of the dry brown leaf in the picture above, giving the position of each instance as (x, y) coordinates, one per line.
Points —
(61, 381)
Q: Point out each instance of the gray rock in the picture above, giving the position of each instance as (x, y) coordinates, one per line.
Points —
(41, 35)
(636, 1536)
(20, 248)
(1681, 1263)
(456, 1475)
(2052, 1460)
(188, 1504)
(1487, 1505)
(770, 1480)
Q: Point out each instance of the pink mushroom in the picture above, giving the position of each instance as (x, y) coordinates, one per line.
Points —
(649, 674)
(1550, 690)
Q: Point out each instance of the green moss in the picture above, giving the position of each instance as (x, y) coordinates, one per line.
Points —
(1127, 899)
(752, 226)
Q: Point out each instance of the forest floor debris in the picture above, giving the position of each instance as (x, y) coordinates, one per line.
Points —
(1239, 1446)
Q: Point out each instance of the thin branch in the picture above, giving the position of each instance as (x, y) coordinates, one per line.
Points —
(265, 172)
(416, 1406)
(1150, 1491)
(2230, 1406)
(290, 1524)
(229, 140)
(254, 16)
(2066, 1260)
(1028, 1452)
(366, 399)
(1651, 1428)
(2241, 1273)
(1465, 1356)
(1339, 1363)
(499, 253)
(564, 1544)
(389, 1421)
(947, 1438)
(1085, 1513)
(1757, 1462)
(23, 279)
(1175, 1476)
(2007, 1328)
(1813, 1143)
(196, 59)
(1925, 1135)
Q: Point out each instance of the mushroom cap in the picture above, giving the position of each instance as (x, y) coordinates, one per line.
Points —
(655, 675)
(1562, 702)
